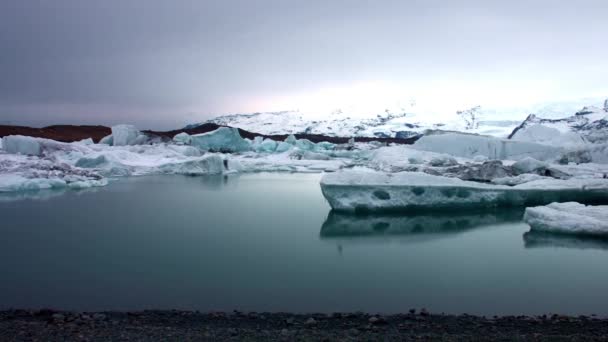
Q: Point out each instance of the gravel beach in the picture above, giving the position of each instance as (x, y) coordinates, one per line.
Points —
(50, 325)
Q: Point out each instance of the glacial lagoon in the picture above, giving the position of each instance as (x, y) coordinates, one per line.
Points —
(269, 242)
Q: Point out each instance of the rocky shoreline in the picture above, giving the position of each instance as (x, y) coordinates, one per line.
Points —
(51, 325)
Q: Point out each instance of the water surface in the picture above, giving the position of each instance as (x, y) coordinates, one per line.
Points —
(268, 242)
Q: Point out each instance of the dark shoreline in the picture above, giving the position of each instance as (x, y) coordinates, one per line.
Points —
(51, 325)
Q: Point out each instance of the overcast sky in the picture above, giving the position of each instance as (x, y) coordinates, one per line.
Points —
(162, 64)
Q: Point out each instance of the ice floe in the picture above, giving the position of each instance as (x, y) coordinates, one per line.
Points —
(364, 190)
(568, 218)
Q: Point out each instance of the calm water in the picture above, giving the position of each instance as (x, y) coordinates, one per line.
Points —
(268, 242)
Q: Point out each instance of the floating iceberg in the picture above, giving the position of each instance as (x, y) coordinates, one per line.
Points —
(182, 138)
(223, 139)
(363, 190)
(267, 145)
(568, 218)
(123, 135)
(107, 140)
(207, 165)
(470, 146)
(19, 144)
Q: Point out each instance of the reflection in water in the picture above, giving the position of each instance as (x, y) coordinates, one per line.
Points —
(43, 194)
(218, 182)
(338, 225)
(533, 239)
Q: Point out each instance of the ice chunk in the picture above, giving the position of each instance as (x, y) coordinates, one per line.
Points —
(22, 145)
(124, 135)
(291, 139)
(568, 218)
(443, 161)
(362, 190)
(528, 165)
(308, 155)
(223, 139)
(283, 147)
(211, 164)
(469, 146)
(267, 145)
(325, 145)
(182, 138)
(305, 144)
(87, 141)
(107, 140)
(92, 162)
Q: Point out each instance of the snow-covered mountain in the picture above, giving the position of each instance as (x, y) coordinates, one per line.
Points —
(401, 122)
(589, 125)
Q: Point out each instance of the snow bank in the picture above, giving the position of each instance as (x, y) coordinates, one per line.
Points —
(223, 139)
(568, 218)
(19, 144)
(363, 190)
(470, 146)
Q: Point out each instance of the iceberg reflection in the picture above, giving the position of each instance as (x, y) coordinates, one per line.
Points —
(341, 225)
(534, 239)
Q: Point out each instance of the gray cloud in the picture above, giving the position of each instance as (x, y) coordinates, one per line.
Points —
(155, 62)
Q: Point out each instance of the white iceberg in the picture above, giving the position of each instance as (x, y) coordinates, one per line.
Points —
(470, 146)
(267, 145)
(124, 135)
(107, 140)
(283, 147)
(207, 165)
(223, 139)
(182, 138)
(291, 139)
(365, 190)
(568, 218)
(19, 144)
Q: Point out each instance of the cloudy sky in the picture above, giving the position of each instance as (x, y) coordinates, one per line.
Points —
(161, 64)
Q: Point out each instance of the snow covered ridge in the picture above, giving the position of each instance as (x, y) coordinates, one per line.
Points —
(364, 191)
(568, 218)
(402, 122)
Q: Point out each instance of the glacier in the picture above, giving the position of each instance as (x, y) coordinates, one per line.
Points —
(568, 218)
(367, 191)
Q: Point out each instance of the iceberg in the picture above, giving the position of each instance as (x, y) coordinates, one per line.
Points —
(283, 147)
(305, 144)
(267, 145)
(207, 165)
(291, 139)
(223, 139)
(470, 146)
(19, 144)
(365, 190)
(182, 138)
(568, 218)
(107, 140)
(124, 135)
